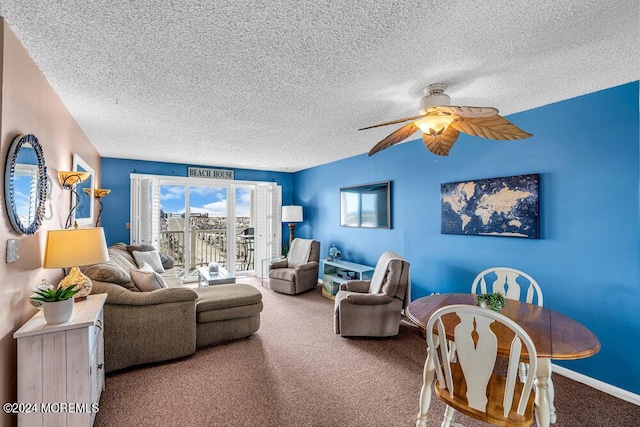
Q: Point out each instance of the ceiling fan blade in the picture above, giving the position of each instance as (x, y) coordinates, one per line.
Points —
(495, 127)
(441, 144)
(403, 133)
(392, 122)
(466, 112)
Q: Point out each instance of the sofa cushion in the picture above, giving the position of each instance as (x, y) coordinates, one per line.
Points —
(217, 297)
(227, 302)
(147, 281)
(171, 278)
(118, 253)
(116, 270)
(150, 257)
(109, 272)
(229, 313)
(167, 261)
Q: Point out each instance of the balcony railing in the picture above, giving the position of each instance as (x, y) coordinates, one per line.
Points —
(207, 246)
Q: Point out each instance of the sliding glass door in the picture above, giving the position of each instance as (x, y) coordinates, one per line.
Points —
(171, 235)
(199, 222)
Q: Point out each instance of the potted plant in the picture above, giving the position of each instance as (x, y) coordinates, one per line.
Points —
(57, 304)
(493, 302)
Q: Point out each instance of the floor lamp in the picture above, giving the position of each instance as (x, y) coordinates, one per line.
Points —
(291, 214)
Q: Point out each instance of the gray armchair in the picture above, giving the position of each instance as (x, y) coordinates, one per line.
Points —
(299, 271)
(373, 308)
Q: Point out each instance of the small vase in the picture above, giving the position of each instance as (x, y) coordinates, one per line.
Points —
(58, 311)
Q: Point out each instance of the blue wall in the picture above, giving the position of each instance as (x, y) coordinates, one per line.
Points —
(587, 262)
(115, 176)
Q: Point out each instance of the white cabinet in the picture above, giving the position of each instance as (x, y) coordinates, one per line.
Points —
(336, 272)
(61, 367)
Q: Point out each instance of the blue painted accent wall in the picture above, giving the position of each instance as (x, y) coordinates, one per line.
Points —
(587, 261)
(117, 206)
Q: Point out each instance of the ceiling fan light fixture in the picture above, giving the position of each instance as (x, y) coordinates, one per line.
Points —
(434, 124)
(441, 123)
(433, 96)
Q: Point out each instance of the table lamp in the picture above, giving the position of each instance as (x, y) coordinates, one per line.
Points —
(72, 248)
(291, 214)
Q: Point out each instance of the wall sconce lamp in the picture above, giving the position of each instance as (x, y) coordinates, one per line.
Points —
(98, 194)
(68, 181)
(291, 214)
(74, 247)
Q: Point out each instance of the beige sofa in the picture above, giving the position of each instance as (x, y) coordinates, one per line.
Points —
(145, 327)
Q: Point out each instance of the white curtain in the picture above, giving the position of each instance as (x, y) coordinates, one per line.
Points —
(145, 211)
(268, 230)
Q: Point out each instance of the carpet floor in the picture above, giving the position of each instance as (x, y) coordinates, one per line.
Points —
(296, 372)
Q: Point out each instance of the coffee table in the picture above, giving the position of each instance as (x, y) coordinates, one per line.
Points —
(220, 278)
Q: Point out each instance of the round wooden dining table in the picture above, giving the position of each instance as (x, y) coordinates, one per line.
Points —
(555, 336)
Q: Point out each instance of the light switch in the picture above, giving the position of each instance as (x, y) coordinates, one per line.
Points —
(12, 250)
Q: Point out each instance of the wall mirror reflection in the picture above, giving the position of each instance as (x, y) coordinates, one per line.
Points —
(83, 214)
(25, 184)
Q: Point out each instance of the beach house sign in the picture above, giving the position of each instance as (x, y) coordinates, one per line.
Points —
(210, 173)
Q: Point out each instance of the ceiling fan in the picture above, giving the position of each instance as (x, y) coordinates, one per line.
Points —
(441, 123)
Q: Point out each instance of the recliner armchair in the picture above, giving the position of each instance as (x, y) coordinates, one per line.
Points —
(373, 308)
(299, 271)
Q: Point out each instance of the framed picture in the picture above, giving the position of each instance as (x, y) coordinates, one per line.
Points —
(507, 207)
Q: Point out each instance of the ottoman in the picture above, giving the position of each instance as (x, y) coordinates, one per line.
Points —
(226, 312)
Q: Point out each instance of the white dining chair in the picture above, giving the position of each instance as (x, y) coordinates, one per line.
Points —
(469, 382)
(509, 282)
(517, 285)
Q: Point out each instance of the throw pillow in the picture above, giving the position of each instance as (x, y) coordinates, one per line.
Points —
(108, 271)
(146, 268)
(150, 257)
(167, 261)
(147, 281)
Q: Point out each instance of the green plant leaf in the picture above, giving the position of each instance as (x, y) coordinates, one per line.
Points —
(493, 301)
(51, 295)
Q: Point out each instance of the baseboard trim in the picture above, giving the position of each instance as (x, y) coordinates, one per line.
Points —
(597, 384)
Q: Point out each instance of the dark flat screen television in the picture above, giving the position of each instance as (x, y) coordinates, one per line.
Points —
(366, 206)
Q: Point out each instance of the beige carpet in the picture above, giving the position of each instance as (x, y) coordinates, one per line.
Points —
(296, 372)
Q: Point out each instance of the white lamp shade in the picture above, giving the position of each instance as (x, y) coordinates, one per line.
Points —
(75, 247)
(292, 213)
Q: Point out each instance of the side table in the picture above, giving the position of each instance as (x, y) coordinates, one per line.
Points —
(62, 363)
(222, 277)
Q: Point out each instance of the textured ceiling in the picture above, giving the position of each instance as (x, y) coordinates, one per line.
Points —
(285, 84)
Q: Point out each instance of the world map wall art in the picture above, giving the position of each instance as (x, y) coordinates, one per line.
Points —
(507, 207)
